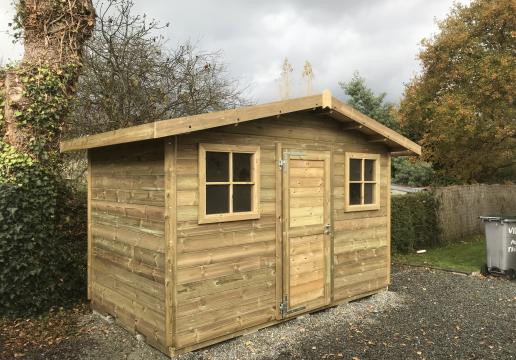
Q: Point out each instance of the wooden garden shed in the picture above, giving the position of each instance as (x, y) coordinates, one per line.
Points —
(207, 227)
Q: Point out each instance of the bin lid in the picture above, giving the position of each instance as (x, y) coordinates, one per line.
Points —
(501, 218)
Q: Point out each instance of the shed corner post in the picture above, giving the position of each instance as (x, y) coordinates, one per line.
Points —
(170, 151)
(89, 227)
(389, 247)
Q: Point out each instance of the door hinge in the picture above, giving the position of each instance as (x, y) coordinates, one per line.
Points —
(284, 310)
(283, 306)
(282, 163)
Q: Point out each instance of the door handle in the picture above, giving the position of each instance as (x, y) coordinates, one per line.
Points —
(327, 229)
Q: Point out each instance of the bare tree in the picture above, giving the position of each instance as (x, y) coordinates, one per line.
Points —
(130, 77)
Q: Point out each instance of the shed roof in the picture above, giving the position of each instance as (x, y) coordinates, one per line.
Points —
(324, 103)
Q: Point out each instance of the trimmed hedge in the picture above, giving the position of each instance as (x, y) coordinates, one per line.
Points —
(414, 222)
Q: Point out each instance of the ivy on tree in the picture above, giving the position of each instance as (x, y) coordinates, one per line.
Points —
(36, 242)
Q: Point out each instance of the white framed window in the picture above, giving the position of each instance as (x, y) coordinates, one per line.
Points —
(229, 182)
(362, 182)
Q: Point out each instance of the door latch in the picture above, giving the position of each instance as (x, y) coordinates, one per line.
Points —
(327, 229)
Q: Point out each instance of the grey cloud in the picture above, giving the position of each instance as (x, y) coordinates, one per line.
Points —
(379, 38)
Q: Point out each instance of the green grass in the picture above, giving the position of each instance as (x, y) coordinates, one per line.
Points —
(467, 255)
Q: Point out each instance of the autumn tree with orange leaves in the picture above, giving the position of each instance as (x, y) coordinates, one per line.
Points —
(461, 107)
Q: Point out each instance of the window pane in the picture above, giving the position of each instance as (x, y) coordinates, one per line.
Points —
(369, 174)
(242, 198)
(217, 199)
(217, 166)
(241, 167)
(354, 194)
(355, 169)
(369, 193)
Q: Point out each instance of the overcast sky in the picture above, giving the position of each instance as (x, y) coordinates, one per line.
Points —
(378, 38)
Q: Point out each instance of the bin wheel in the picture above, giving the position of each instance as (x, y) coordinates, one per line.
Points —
(511, 274)
(484, 269)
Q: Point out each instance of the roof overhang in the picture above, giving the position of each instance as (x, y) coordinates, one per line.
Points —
(351, 119)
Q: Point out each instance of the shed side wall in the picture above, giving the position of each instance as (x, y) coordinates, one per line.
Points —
(127, 228)
(226, 276)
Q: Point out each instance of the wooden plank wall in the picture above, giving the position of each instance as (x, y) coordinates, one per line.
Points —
(226, 272)
(361, 239)
(128, 258)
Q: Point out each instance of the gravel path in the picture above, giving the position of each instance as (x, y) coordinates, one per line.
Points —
(426, 314)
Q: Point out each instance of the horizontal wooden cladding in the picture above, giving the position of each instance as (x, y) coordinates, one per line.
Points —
(132, 292)
(131, 167)
(236, 308)
(265, 276)
(360, 224)
(361, 256)
(372, 272)
(125, 275)
(141, 152)
(226, 326)
(223, 300)
(226, 272)
(127, 318)
(216, 307)
(225, 254)
(307, 269)
(134, 236)
(127, 230)
(124, 182)
(299, 126)
(223, 239)
(146, 212)
(196, 273)
(135, 253)
(191, 212)
(137, 267)
(358, 284)
(143, 197)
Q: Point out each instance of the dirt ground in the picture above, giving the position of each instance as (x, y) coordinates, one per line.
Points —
(426, 314)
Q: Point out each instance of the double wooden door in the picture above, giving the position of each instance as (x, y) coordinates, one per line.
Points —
(306, 231)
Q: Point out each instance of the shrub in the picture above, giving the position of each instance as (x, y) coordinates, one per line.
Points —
(42, 250)
(414, 222)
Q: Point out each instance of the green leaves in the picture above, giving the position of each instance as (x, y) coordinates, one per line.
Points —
(461, 107)
(414, 222)
(364, 100)
(39, 250)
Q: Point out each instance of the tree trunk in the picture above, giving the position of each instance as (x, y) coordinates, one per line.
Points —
(54, 33)
(38, 270)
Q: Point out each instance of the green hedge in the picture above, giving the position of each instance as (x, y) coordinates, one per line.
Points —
(42, 250)
(414, 222)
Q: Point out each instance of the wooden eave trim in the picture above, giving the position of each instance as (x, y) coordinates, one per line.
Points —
(159, 129)
(170, 127)
(347, 111)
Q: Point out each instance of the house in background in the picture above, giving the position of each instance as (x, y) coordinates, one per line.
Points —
(206, 227)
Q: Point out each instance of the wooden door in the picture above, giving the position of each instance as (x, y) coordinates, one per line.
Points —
(306, 231)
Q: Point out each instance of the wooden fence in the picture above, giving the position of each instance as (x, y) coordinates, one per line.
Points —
(461, 206)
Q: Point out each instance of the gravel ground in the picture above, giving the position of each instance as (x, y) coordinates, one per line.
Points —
(426, 314)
